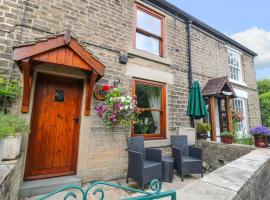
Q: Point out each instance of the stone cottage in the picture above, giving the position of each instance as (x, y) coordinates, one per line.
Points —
(64, 50)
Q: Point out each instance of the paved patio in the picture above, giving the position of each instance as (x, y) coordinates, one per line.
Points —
(115, 194)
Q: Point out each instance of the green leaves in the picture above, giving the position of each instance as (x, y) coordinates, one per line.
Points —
(11, 125)
(263, 86)
(203, 127)
(9, 92)
(264, 98)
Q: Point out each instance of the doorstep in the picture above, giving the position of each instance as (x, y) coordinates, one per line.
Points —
(43, 186)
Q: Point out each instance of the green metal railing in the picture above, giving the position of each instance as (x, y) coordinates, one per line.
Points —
(155, 193)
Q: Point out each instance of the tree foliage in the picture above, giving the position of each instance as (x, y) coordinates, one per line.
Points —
(264, 97)
(263, 86)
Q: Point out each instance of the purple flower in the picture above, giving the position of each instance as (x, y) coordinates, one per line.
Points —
(112, 117)
(100, 109)
(260, 130)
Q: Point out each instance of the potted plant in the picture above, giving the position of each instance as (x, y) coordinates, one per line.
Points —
(260, 134)
(202, 130)
(118, 109)
(10, 135)
(226, 137)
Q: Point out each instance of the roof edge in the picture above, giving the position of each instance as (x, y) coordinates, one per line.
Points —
(174, 10)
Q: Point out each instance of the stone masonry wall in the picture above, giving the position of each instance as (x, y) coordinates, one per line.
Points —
(10, 177)
(246, 178)
(210, 60)
(218, 154)
(106, 28)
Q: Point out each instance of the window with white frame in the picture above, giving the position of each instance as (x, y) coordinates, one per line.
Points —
(235, 66)
(239, 106)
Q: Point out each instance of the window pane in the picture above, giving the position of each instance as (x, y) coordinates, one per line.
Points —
(148, 96)
(235, 73)
(234, 59)
(147, 43)
(238, 106)
(149, 123)
(148, 23)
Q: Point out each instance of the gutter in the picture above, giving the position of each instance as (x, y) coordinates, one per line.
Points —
(177, 12)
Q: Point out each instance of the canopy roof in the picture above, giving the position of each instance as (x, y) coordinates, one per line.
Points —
(63, 49)
(219, 87)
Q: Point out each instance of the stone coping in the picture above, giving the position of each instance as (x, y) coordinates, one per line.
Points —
(6, 171)
(227, 182)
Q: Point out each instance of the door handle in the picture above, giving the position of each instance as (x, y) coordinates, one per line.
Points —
(76, 119)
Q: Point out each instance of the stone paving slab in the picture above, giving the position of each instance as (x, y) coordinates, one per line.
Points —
(227, 177)
(204, 191)
(261, 155)
(248, 165)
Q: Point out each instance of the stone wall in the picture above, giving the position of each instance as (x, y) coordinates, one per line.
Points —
(210, 60)
(218, 154)
(246, 178)
(106, 28)
(10, 177)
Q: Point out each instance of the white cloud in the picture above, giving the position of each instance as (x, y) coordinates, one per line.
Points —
(257, 40)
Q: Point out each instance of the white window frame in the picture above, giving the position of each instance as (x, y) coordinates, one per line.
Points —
(240, 75)
(244, 122)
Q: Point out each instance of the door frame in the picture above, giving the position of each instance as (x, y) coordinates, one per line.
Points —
(76, 149)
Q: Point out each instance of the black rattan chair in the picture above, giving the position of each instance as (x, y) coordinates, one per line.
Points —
(187, 159)
(144, 165)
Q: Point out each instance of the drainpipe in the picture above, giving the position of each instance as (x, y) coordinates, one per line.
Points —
(189, 22)
(190, 79)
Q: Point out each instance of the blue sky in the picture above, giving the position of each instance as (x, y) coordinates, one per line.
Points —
(247, 21)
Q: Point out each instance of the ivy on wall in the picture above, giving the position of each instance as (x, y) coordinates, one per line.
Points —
(264, 97)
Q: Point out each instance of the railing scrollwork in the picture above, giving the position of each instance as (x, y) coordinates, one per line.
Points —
(155, 193)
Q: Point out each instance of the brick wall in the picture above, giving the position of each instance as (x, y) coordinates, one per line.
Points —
(109, 24)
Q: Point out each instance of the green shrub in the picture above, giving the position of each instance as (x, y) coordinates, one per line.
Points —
(263, 86)
(226, 133)
(243, 139)
(11, 125)
(265, 108)
(9, 92)
(203, 127)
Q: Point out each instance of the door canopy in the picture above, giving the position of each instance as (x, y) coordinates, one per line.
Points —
(219, 88)
(62, 49)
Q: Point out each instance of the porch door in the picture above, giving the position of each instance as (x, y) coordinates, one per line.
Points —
(55, 124)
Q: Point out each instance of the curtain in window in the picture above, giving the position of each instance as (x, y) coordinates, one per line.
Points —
(155, 102)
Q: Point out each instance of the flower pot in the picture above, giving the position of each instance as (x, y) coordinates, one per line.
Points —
(12, 145)
(202, 136)
(227, 139)
(268, 139)
(1, 150)
(261, 141)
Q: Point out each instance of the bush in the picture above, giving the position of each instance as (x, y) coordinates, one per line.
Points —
(203, 127)
(264, 97)
(265, 108)
(263, 86)
(10, 125)
(226, 133)
(9, 92)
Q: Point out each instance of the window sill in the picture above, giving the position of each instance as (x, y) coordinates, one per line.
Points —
(237, 82)
(149, 56)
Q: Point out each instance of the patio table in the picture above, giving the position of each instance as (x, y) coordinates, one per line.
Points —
(167, 169)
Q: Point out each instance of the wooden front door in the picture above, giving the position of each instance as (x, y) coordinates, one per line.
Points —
(55, 124)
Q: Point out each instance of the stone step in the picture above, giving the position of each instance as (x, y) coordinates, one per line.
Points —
(43, 186)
